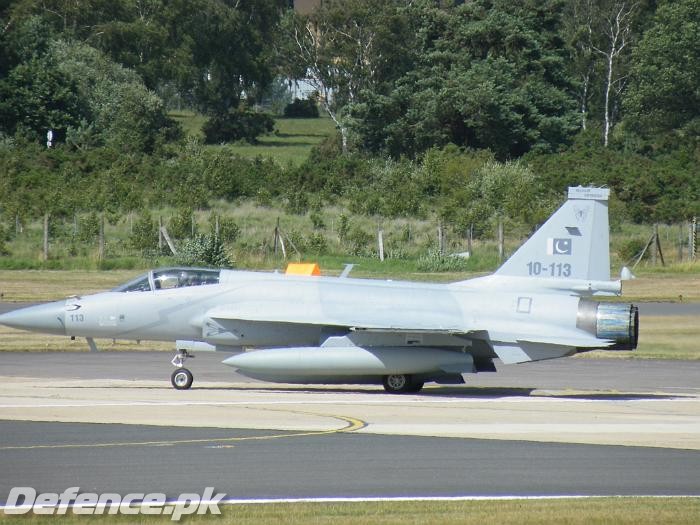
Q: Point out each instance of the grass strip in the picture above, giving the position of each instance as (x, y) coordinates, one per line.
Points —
(584, 511)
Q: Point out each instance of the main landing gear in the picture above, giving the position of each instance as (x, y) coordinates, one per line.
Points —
(181, 378)
(401, 384)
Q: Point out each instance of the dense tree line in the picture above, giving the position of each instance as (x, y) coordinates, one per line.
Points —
(440, 106)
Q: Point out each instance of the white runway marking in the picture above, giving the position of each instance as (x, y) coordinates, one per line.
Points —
(414, 401)
(436, 498)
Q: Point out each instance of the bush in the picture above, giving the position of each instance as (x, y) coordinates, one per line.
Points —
(89, 228)
(317, 220)
(228, 229)
(433, 261)
(237, 125)
(631, 249)
(317, 243)
(206, 250)
(144, 236)
(181, 225)
(343, 227)
(360, 243)
(297, 202)
(301, 109)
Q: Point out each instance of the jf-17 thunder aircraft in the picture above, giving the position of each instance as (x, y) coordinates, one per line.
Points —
(314, 329)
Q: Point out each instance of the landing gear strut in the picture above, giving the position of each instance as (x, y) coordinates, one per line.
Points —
(401, 384)
(181, 378)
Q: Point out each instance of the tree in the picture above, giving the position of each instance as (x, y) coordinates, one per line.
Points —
(578, 26)
(340, 49)
(612, 33)
(215, 52)
(663, 94)
(37, 97)
(485, 75)
(123, 113)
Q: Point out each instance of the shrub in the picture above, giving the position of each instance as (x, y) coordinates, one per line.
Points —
(144, 236)
(317, 220)
(434, 261)
(203, 250)
(181, 225)
(89, 228)
(343, 227)
(631, 249)
(228, 229)
(301, 109)
(237, 125)
(360, 242)
(317, 243)
(297, 202)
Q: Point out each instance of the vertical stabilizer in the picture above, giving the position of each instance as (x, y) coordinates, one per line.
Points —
(572, 244)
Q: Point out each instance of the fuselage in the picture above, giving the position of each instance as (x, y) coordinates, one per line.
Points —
(255, 309)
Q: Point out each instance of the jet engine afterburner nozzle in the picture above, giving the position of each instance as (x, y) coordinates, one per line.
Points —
(611, 321)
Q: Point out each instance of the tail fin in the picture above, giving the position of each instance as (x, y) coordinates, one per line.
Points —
(572, 244)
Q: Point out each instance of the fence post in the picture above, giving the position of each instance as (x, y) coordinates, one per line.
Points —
(500, 239)
(470, 235)
(46, 236)
(101, 245)
(380, 241)
(277, 235)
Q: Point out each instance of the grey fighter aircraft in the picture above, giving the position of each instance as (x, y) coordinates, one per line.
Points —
(314, 329)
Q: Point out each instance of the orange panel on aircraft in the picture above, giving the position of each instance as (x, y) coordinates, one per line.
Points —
(303, 269)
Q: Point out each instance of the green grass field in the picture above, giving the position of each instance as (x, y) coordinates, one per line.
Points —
(290, 143)
(589, 511)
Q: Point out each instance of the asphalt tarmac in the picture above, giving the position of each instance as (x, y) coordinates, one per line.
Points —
(624, 375)
(123, 458)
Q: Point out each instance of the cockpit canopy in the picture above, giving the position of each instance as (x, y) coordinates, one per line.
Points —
(165, 278)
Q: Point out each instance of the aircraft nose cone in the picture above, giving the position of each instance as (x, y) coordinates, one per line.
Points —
(48, 318)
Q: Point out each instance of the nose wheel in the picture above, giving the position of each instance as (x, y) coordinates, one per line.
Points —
(181, 378)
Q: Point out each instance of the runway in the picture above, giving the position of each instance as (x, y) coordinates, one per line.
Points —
(174, 460)
(564, 427)
(600, 375)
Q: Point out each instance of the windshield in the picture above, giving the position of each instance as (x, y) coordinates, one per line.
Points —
(166, 278)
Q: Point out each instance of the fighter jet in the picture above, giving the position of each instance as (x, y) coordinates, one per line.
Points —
(329, 330)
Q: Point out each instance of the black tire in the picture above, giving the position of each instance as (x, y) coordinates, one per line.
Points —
(182, 379)
(400, 384)
(415, 387)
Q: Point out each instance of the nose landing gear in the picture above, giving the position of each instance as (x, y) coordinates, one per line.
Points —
(181, 378)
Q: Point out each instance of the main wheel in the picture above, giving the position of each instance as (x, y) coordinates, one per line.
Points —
(182, 379)
(400, 384)
(415, 387)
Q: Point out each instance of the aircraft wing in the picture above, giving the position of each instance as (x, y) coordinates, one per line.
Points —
(378, 319)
